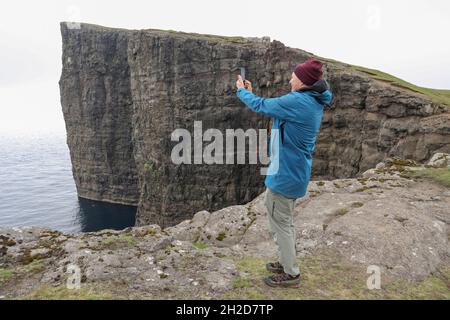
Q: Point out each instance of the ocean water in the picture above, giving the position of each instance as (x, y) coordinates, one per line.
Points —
(37, 188)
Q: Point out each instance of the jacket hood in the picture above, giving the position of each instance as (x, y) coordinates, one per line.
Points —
(319, 90)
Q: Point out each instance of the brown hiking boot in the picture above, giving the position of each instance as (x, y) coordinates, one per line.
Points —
(283, 280)
(275, 267)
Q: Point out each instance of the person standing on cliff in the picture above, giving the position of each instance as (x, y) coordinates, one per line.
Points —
(296, 118)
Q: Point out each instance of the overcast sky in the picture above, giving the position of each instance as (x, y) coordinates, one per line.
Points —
(407, 38)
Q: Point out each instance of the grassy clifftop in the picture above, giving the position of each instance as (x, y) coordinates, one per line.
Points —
(437, 95)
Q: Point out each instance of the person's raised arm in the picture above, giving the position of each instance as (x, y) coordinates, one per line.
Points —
(282, 107)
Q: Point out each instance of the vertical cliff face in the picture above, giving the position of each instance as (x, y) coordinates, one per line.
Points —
(177, 79)
(98, 107)
(124, 92)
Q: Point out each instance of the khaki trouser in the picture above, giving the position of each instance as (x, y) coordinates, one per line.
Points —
(281, 227)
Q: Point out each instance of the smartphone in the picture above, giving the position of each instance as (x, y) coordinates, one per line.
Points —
(243, 73)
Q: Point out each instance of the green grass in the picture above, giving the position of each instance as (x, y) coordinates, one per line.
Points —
(6, 274)
(439, 175)
(337, 185)
(436, 95)
(364, 188)
(253, 265)
(208, 36)
(146, 232)
(179, 33)
(35, 266)
(240, 282)
(326, 275)
(116, 242)
(200, 245)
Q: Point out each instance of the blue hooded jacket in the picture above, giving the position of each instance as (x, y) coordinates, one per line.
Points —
(297, 116)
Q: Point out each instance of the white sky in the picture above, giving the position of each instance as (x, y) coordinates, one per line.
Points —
(407, 38)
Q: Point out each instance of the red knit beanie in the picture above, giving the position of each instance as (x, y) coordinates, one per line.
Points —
(309, 72)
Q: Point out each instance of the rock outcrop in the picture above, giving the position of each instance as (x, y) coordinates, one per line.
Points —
(387, 218)
(123, 92)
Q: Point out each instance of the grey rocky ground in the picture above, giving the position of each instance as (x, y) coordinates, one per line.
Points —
(387, 217)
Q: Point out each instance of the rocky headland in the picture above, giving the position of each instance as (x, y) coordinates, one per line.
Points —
(123, 92)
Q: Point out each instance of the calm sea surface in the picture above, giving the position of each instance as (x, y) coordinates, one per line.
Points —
(37, 188)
